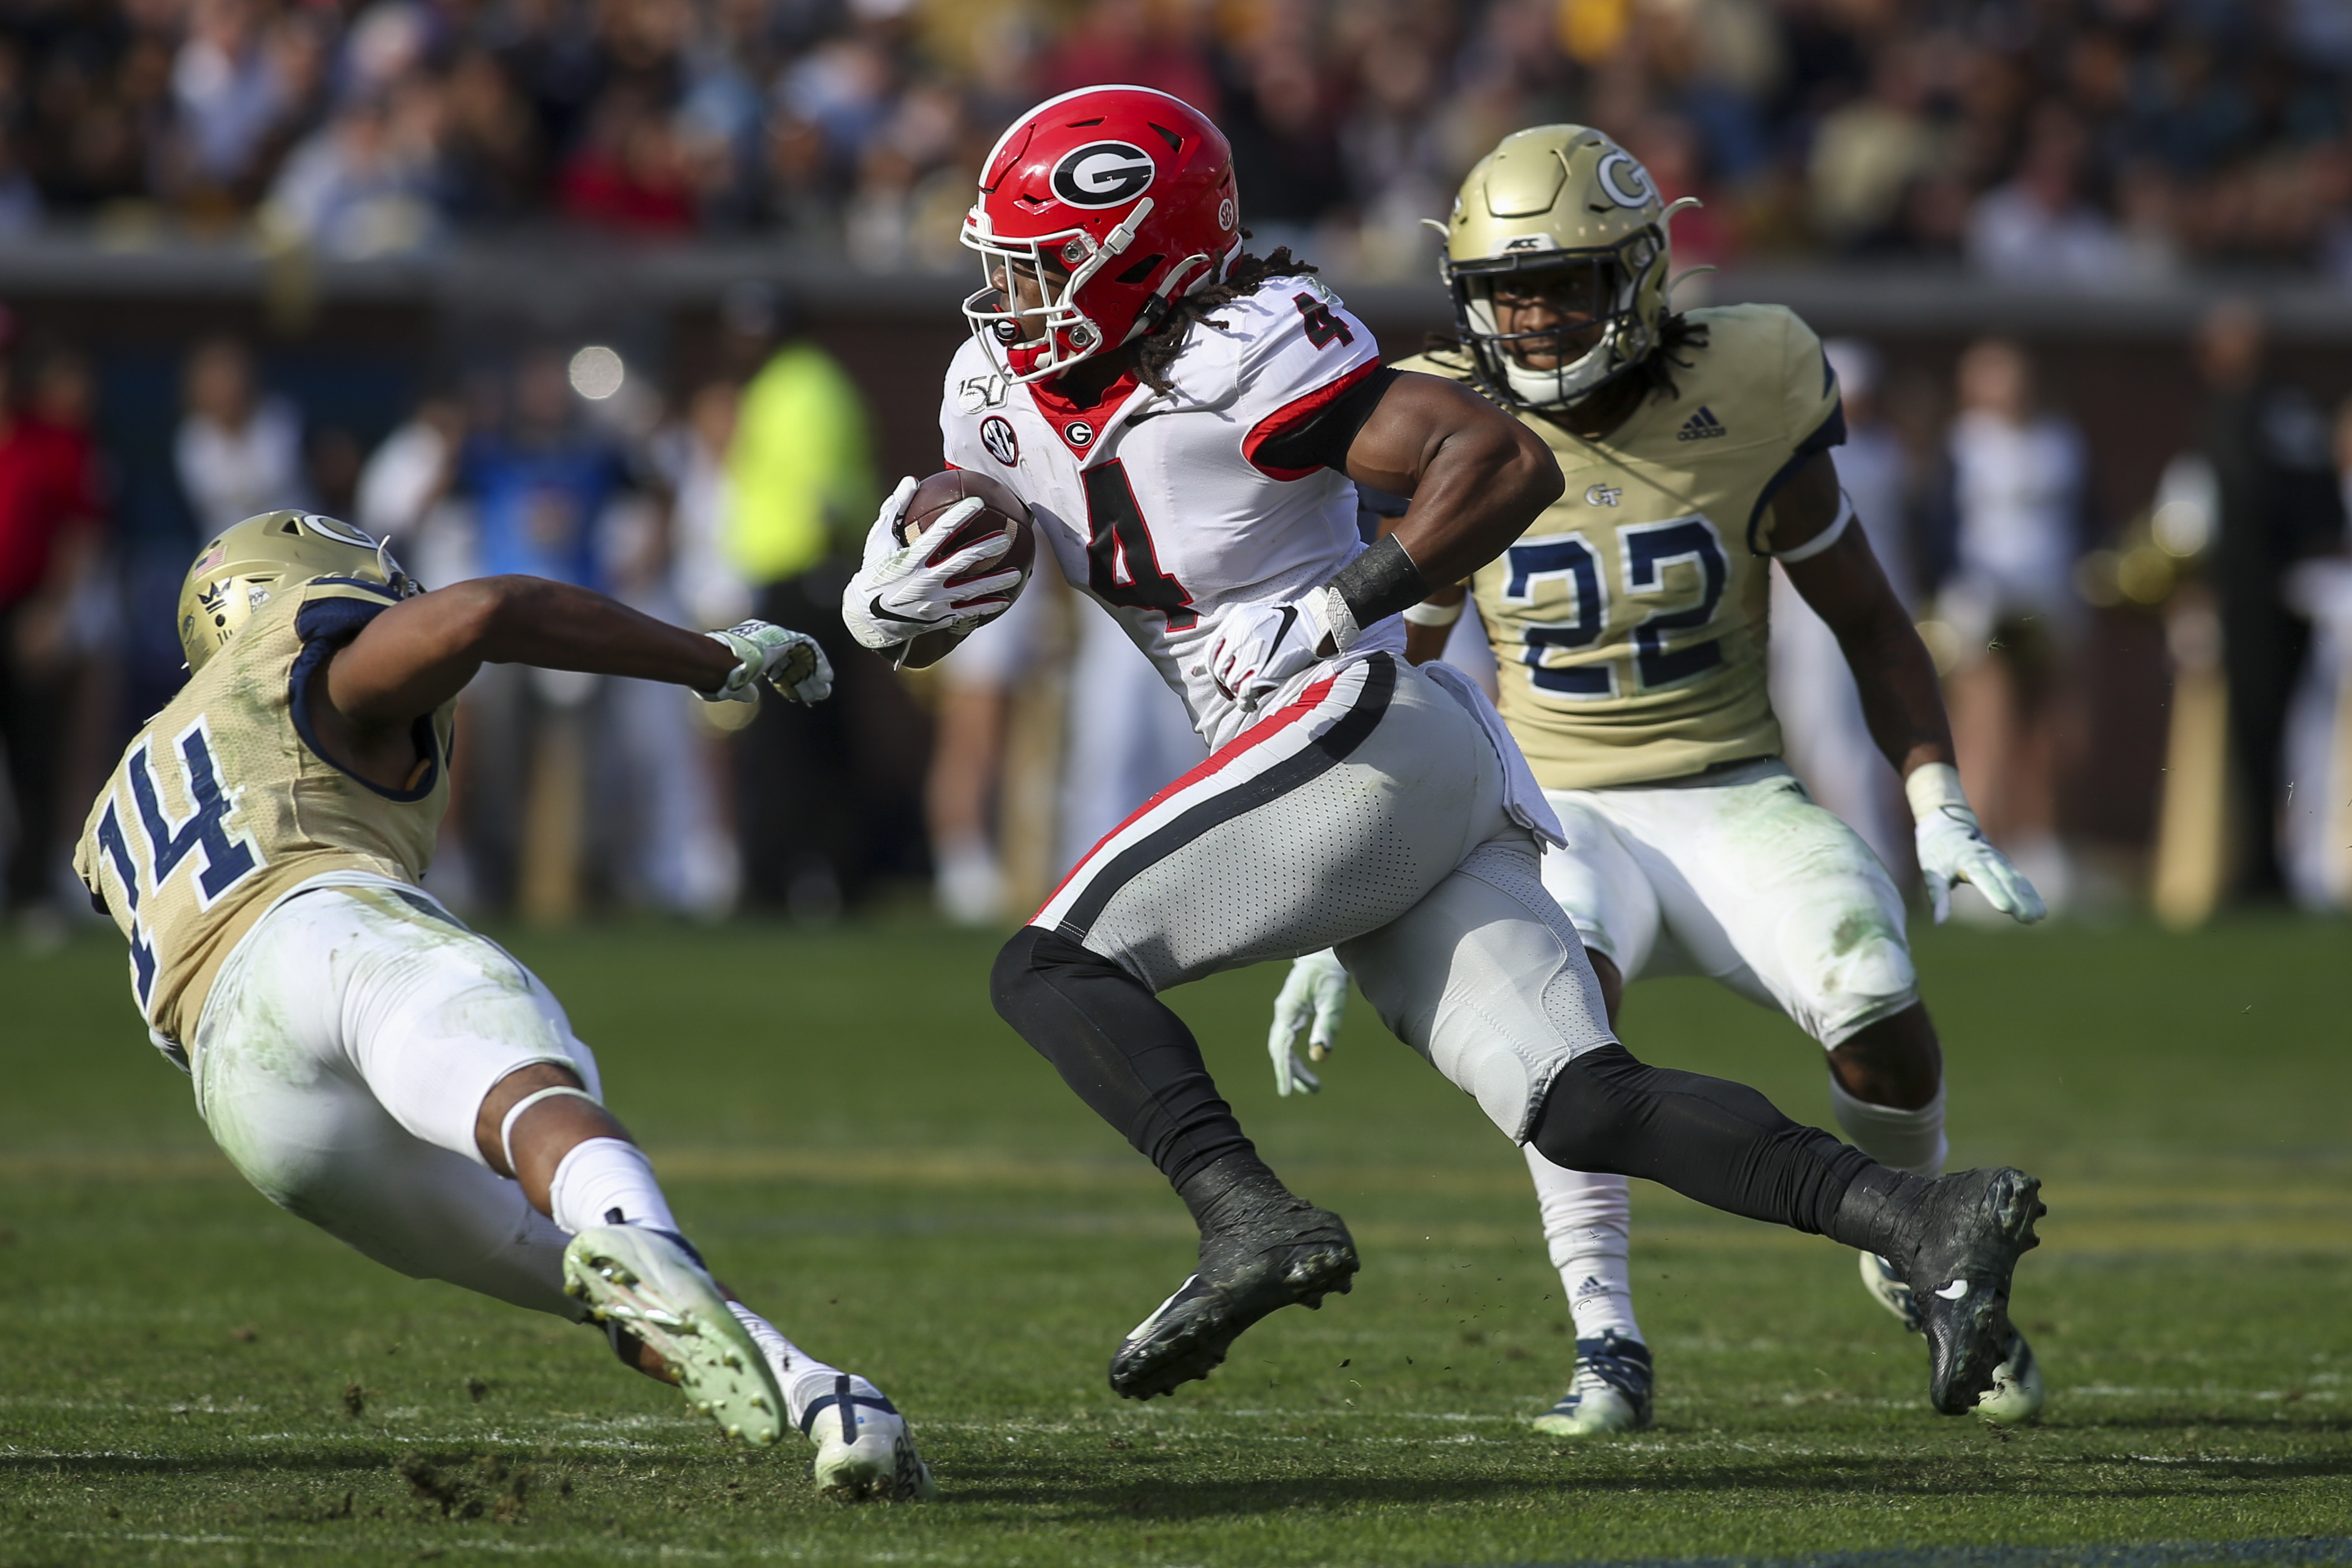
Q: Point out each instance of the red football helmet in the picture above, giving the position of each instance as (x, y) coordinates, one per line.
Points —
(1122, 195)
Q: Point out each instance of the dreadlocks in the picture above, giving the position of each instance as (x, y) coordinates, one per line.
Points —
(1156, 354)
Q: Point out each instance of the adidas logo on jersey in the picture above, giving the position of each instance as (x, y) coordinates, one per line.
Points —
(1701, 427)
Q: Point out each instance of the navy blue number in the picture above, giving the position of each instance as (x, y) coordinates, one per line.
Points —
(111, 838)
(1648, 550)
(226, 860)
(1568, 560)
(204, 835)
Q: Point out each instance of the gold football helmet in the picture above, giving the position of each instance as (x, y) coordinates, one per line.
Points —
(1566, 205)
(238, 572)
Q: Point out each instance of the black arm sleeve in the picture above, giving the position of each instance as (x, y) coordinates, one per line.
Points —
(1322, 440)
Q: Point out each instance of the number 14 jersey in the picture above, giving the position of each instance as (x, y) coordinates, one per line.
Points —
(1629, 621)
(1169, 508)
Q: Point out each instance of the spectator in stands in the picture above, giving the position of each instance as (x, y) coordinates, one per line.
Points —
(2279, 504)
(2019, 478)
(800, 471)
(540, 479)
(239, 450)
(51, 539)
(2059, 143)
(367, 184)
(2038, 228)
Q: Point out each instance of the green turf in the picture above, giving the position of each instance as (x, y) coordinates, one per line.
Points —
(192, 1377)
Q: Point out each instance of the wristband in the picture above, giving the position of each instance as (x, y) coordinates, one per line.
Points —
(1378, 584)
(1933, 786)
(1427, 614)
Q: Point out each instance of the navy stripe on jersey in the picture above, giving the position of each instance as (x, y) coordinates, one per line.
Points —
(1830, 433)
(325, 626)
(1318, 756)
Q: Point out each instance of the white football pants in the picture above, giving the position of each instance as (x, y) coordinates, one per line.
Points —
(342, 1061)
(1368, 815)
(1737, 876)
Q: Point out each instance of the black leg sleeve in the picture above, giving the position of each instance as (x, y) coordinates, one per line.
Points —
(1707, 1138)
(1119, 1047)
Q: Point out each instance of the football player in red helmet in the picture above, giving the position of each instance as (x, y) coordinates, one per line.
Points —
(1094, 221)
(1188, 425)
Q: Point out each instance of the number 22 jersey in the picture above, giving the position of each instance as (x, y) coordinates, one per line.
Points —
(1630, 620)
(1169, 508)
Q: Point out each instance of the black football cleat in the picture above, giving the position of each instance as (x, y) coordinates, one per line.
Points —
(1260, 1263)
(1973, 1227)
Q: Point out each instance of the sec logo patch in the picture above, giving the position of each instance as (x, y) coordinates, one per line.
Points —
(996, 434)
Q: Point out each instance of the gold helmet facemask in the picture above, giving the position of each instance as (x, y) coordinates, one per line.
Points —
(1560, 210)
(245, 568)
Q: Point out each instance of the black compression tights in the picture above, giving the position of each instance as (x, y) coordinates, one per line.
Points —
(1119, 1047)
(1707, 1138)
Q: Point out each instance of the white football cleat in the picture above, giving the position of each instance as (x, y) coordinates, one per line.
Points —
(654, 1286)
(1611, 1391)
(863, 1447)
(2016, 1395)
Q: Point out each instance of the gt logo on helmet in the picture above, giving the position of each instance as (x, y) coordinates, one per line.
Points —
(1103, 174)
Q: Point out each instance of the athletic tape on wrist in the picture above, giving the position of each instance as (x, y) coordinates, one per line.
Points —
(1823, 541)
(1338, 621)
(1931, 786)
(514, 1114)
(1427, 614)
(1378, 584)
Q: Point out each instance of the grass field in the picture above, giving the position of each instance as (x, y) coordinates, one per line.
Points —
(191, 1376)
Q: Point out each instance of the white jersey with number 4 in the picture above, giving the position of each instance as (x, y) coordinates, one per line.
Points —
(1170, 509)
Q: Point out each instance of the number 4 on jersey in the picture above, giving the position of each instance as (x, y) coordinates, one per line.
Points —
(1122, 568)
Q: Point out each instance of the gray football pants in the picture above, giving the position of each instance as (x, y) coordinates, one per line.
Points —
(1368, 815)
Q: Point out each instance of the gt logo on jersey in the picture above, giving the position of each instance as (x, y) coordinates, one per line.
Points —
(1103, 174)
(996, 434)
(1603, 495)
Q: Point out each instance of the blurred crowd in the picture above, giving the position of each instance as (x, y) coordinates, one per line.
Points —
(2093, 142)
(749, 490)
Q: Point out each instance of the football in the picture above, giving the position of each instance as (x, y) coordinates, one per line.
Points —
(1000, 508)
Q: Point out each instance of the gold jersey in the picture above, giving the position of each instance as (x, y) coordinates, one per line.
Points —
(223, 802)
(1629, 621)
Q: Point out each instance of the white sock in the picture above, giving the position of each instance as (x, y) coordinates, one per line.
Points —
(601, 1176)
(1907, 1140)
(1587, 1218)
(803, 1378)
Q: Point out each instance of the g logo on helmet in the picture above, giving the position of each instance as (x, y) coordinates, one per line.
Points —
(1103, 174)
(1624, 181)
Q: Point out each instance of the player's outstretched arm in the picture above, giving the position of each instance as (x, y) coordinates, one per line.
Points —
(1477, 475)
(416, 655)
(1829, 562)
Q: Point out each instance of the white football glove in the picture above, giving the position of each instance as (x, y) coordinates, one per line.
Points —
(1315, 991)
(1953, 848)
(789, 661)
(899, 593)
(1258, 647)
